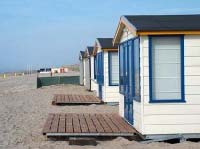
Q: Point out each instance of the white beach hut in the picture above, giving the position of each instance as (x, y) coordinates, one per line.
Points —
(81, 67)
(88, 53)
(160, 74)
(107, 70)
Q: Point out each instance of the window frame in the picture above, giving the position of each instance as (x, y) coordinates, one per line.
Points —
(95, 67)
(109, 69)
(123, 45)
(182, 100)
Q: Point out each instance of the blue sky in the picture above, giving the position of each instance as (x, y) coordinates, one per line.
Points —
(48, 33)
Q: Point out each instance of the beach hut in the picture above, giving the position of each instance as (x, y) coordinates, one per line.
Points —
(159, 58)
(88, 53)
(93, 70)
(81, 67)
(107, 70)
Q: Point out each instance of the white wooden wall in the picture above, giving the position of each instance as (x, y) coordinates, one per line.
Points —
(81, 67)
(93, 81)
(111, 93)
(173, 118)
(87, 74)
(84, 71)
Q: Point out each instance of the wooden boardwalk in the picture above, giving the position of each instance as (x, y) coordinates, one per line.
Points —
(74, 125)
(75, 99)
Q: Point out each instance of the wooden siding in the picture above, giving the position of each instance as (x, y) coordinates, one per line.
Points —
(87, 74)
(81, 67)
(174, 118)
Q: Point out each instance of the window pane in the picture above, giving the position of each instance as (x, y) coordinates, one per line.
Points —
(137, 67)
(121, 67)
(166, 68)
(114, 68)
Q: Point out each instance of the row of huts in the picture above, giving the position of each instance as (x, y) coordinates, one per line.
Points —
(151, 67)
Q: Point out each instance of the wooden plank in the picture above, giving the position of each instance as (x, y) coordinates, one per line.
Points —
(105, 126)
(47, 125)
(83, 124)
(97, 124)
(90, 124)
(69, 124)
(83, 98)
(111, 124)
(70, 98)
(54, 126)
(67, 100)
(76, 123)
(61, 127)
(119, 125)
(123, 123)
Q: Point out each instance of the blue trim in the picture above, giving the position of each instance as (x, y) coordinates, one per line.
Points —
(109, 70)
(95, 61)
(182, 73)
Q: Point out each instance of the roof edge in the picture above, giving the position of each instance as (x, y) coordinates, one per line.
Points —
(124, 22)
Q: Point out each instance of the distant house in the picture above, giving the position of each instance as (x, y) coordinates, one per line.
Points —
(159, 65)
(92, 68)
(107, 73)
(81, 67)
(88, 53)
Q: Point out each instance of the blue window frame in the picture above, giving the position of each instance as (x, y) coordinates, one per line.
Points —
(100, 70)
(95, 71)
(159, 69)
(129, 68)
(113, 69)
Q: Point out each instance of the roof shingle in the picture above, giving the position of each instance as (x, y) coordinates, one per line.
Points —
(165, 22)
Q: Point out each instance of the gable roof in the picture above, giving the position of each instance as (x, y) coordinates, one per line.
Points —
(169, 24)
(82, 53)
(90, 50)
(165, 22)
(106, 43)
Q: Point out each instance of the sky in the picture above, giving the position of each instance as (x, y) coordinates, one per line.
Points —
(50, 33)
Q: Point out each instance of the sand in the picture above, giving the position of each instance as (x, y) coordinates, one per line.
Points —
(24, 109)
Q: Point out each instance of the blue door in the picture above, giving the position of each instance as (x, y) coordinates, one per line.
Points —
(130, 76)
(128, 99)
(100, 73)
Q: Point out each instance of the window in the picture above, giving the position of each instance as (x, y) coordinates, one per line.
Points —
(129, 69)
(113, 68)
(166, 71)
(121, 69)
(95, 71)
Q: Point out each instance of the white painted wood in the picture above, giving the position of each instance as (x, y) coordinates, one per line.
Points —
(171, 129)
(110, 93)
(87, 74)
(81, 68)
(126, 35)
(172, 119)
(172, 109)
(175, 118)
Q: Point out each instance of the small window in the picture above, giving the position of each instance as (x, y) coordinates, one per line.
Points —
(166, 69)
(113, 69)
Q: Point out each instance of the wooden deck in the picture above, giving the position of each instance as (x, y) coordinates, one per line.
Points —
(75, 99)
(74, 125)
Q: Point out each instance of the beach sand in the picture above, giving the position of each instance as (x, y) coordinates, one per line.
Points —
(24, 109)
